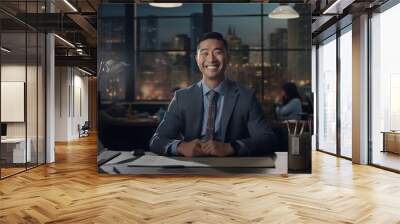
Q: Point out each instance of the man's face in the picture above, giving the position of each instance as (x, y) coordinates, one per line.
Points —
(212, 58)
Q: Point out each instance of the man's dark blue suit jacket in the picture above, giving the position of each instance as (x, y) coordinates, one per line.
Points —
(242, 119)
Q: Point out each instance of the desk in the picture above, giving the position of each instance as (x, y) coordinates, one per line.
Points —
(118, 165)
(13, 150)
(391, 141)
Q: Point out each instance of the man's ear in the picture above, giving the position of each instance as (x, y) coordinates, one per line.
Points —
(196, 57)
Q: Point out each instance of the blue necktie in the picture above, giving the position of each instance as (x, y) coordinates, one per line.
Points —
(212, 113)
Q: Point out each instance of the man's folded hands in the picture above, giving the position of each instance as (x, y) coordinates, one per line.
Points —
(199, 147)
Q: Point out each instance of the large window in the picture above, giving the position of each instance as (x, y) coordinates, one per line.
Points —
(264, 55)
(165, 52)
(335, 74)
(327, 129)
(346, 93)
(385, 89)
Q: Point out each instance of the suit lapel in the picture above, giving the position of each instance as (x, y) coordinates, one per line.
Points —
(229, 104)
(197, 109)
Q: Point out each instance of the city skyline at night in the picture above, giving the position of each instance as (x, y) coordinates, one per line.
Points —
(263, 55)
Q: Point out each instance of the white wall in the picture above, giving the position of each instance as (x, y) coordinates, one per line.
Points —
(33, 126)
(62, 81)
(16, 73)
(71, 92)
(12, 73)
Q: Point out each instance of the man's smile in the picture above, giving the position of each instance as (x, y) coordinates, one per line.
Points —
(211, 67)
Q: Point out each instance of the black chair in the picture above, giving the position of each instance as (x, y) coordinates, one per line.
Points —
(84, 130)
(116, 133)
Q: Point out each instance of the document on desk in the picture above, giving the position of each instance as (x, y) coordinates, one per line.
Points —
(106, 156)
(221, 162)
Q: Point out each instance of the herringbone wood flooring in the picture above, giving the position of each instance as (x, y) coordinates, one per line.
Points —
(71, 191)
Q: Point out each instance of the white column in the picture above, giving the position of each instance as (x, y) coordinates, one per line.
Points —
(360, 90)
(50, 100)
(314, 90)
(50, 92)
(63, 99)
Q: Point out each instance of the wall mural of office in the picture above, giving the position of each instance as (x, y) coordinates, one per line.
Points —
(155, 112)
(22, 87)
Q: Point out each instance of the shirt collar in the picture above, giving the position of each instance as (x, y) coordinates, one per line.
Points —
(220, 89)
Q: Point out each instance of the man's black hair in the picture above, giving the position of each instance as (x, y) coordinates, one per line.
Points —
(212, 35)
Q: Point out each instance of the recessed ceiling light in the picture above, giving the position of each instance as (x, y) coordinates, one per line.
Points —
(166, 5)
(70, 5)
(65, 41)
(84, 71)
(5, 50)
(284, 12)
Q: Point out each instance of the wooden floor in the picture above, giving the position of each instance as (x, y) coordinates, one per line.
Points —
(5, 172)
(71, 191)
(386, 159)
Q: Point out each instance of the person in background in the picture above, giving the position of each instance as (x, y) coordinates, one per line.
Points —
(289, 103)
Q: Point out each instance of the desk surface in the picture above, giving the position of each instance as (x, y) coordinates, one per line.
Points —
(118, 163)
(13, 140)
(390, 132)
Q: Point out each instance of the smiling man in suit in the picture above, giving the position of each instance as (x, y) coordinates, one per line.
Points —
(216, 116)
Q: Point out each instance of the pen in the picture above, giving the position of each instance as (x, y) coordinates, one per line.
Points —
(173, 167)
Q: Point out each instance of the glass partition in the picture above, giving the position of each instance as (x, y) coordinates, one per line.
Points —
(327, 96)
(22, 88)
(13, 105)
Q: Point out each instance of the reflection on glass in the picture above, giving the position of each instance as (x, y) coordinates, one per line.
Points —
(385, 85)
(346, 94)
(327, 97)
